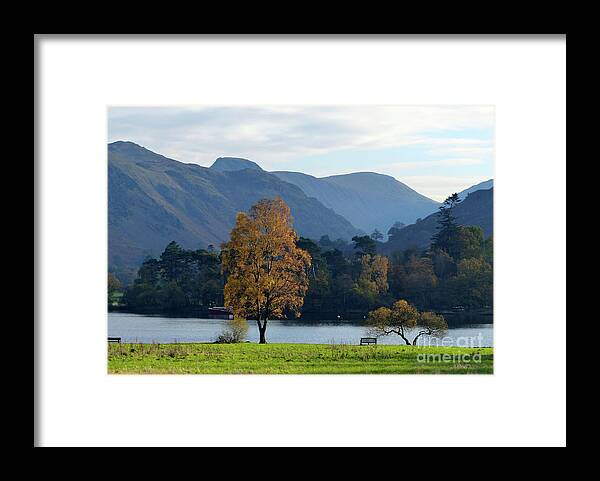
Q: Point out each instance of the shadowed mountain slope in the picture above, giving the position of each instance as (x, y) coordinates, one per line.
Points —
(488, 184)
(477, 209)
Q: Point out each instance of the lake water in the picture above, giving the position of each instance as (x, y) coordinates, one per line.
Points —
(148, 329)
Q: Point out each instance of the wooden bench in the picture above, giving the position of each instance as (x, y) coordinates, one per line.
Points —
(114, 339)
(365, 341)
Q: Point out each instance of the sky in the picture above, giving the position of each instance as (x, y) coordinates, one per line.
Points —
(436, 150)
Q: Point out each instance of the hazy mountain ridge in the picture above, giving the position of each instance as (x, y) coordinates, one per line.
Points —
(367, 199)
(154, 199)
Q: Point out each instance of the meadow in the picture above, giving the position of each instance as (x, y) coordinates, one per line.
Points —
(249, 358)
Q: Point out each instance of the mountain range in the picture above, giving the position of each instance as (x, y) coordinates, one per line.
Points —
(368, 200)
(353, 196)
(153, 199)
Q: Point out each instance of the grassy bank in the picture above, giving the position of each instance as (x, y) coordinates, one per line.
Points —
(295, 359)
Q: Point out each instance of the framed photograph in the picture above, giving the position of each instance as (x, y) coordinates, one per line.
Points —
(358, 241)
(258, 241)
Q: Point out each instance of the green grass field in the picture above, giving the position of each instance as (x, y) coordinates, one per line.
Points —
(249, 358)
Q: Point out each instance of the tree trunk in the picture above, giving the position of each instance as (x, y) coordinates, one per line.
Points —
(419, 335)
(406, 340)
(262, 330)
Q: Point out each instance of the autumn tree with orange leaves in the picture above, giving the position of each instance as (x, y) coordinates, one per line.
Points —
(266, 271)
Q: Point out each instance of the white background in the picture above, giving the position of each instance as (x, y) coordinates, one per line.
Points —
(523, 403)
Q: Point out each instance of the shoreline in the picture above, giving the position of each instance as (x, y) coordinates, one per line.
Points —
(461, 318)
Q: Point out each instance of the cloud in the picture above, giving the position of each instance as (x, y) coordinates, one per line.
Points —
(279, 134)
(415, 144)
(403, 166)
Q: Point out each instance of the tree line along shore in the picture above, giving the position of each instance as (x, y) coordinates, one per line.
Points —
(453, 276)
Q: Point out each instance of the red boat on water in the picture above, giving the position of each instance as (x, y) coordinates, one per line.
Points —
(219, 313)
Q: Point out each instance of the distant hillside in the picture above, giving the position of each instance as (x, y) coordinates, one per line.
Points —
(477, 209)
(153, 200)
(488, 184)
(368, 200)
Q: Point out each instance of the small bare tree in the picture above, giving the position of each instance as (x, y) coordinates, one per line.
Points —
(403, 318)
(235, 331)
(398, 320)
